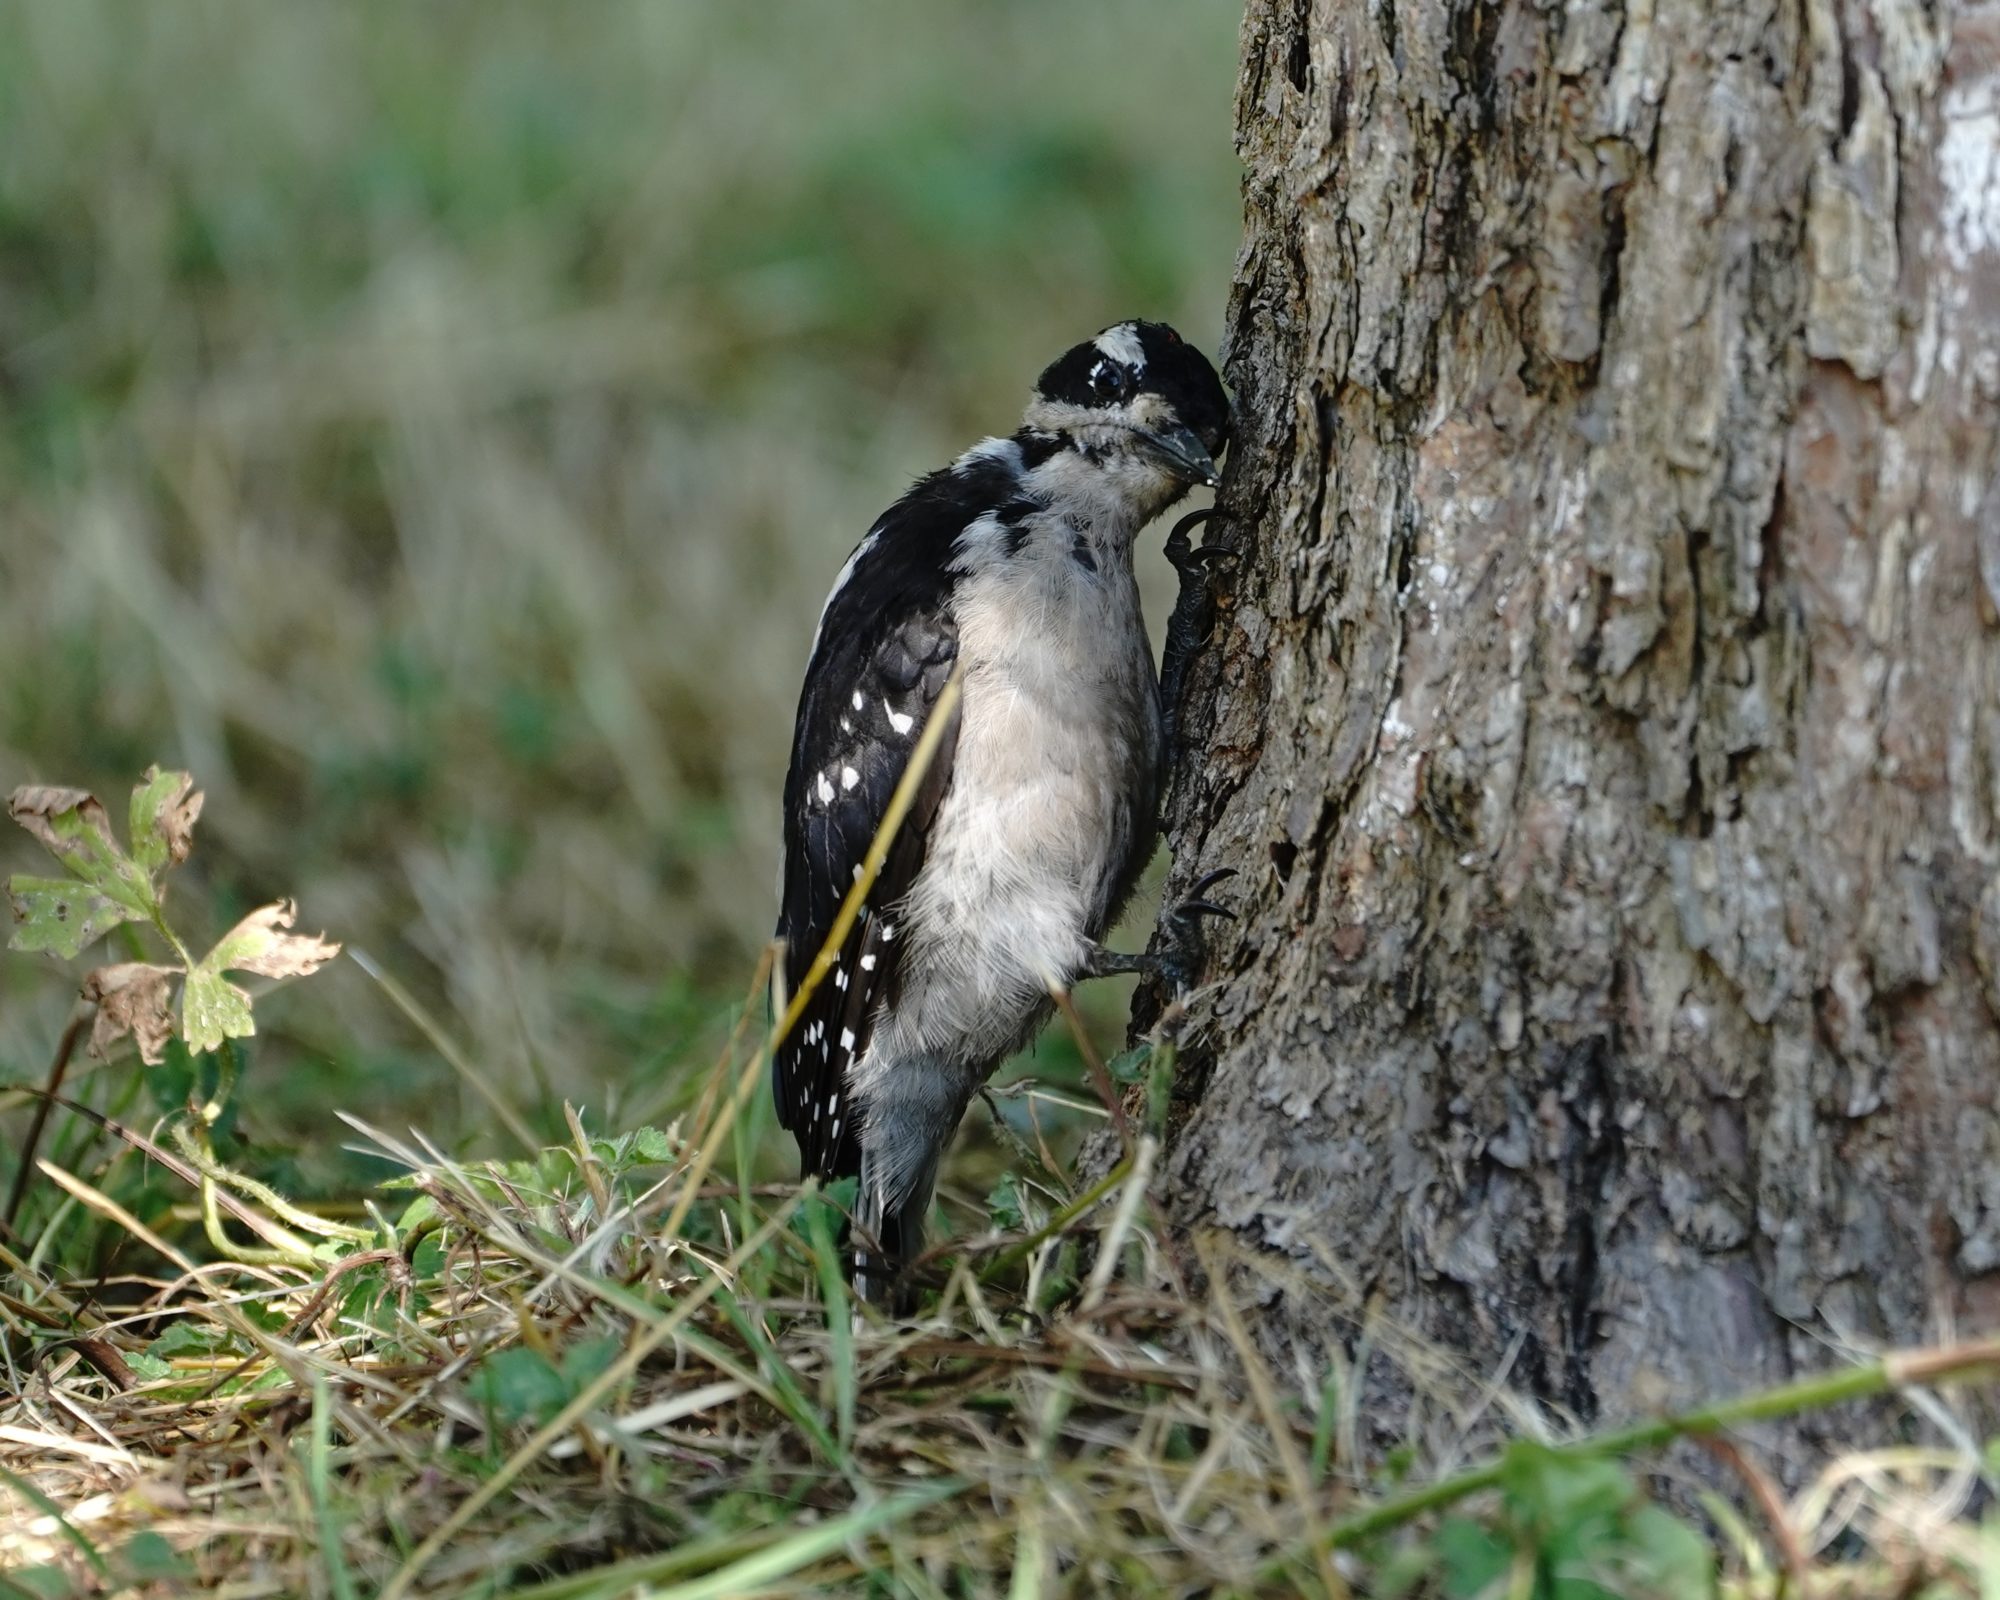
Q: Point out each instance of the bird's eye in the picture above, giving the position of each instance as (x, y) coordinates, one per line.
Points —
(1107, 381)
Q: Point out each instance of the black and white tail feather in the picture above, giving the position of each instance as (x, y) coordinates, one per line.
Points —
(1036, 811)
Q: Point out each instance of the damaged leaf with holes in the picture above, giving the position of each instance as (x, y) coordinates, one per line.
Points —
(105, 886)
(108, 885)
(213, 1008)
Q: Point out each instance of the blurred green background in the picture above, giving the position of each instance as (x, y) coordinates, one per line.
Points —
(437, 425)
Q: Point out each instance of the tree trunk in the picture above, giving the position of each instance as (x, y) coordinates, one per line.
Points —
(1607, 715)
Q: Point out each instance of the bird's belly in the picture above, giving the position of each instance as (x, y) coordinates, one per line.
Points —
(1053, 792)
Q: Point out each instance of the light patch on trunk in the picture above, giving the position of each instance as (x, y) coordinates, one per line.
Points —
(1969, 169)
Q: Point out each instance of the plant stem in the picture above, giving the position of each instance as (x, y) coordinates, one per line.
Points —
(65, 1048)
(1806, 1394)
(1022, 1249)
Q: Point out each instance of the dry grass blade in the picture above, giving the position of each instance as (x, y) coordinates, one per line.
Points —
(585, 1398)
(521, 1377)
(1115, 1447)
(1209, 1248)
(446, 1047)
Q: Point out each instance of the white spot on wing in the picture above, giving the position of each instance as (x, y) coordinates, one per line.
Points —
(901, 721)
(868, 962)
(859, 702)
(825, 789)
(847, 1038)
(849, 777)
(1122, 344)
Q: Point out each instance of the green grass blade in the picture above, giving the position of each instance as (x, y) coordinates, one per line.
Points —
(318, 1477)
(788, 1556)
(839, 1320)
(777, 1372)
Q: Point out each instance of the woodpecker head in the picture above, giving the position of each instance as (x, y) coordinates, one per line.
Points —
(1141, 406)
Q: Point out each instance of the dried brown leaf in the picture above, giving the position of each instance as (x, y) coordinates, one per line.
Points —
(258, 944)
(133, 997)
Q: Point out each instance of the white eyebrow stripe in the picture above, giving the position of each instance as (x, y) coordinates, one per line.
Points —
(1121, 344)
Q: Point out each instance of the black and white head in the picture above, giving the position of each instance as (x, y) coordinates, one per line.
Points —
(1141, 407)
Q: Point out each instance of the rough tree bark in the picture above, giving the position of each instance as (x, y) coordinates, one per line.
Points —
(1608, 712)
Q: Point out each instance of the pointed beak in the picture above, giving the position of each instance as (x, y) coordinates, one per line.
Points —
(1183, 454)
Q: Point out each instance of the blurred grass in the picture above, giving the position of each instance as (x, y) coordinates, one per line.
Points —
(437, 426)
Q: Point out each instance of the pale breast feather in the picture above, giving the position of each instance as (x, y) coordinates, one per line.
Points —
(886, 644)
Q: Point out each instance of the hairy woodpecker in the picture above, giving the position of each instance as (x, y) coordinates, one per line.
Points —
(1040, 807)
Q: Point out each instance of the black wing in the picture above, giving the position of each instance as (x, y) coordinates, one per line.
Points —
(887, 642)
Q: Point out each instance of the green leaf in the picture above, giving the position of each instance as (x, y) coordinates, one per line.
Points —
(419, 1211)
(213, 1009)
(71, 825)
(189, 1339)
(1129, 1066)
(518, 1384)
(61, 914)
(587, 1359)
(1473, 1558)
(1561, 1491)
(842, 1193)
(649, 1144)
(1003, 1205)
(1668, 1555)
(1401, 1571)
(164, 808)
(146, 1365)
(146, 1557)
(369, 1302)
(427, 1260)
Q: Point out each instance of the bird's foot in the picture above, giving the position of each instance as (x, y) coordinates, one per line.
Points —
(1183, 951)
(1194, 607)
(1180, 950)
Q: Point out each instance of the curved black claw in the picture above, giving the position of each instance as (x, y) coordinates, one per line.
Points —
(1180, 549)
(1208, 880)
(1204, 561)
(1183, 951)
(1203, 908)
